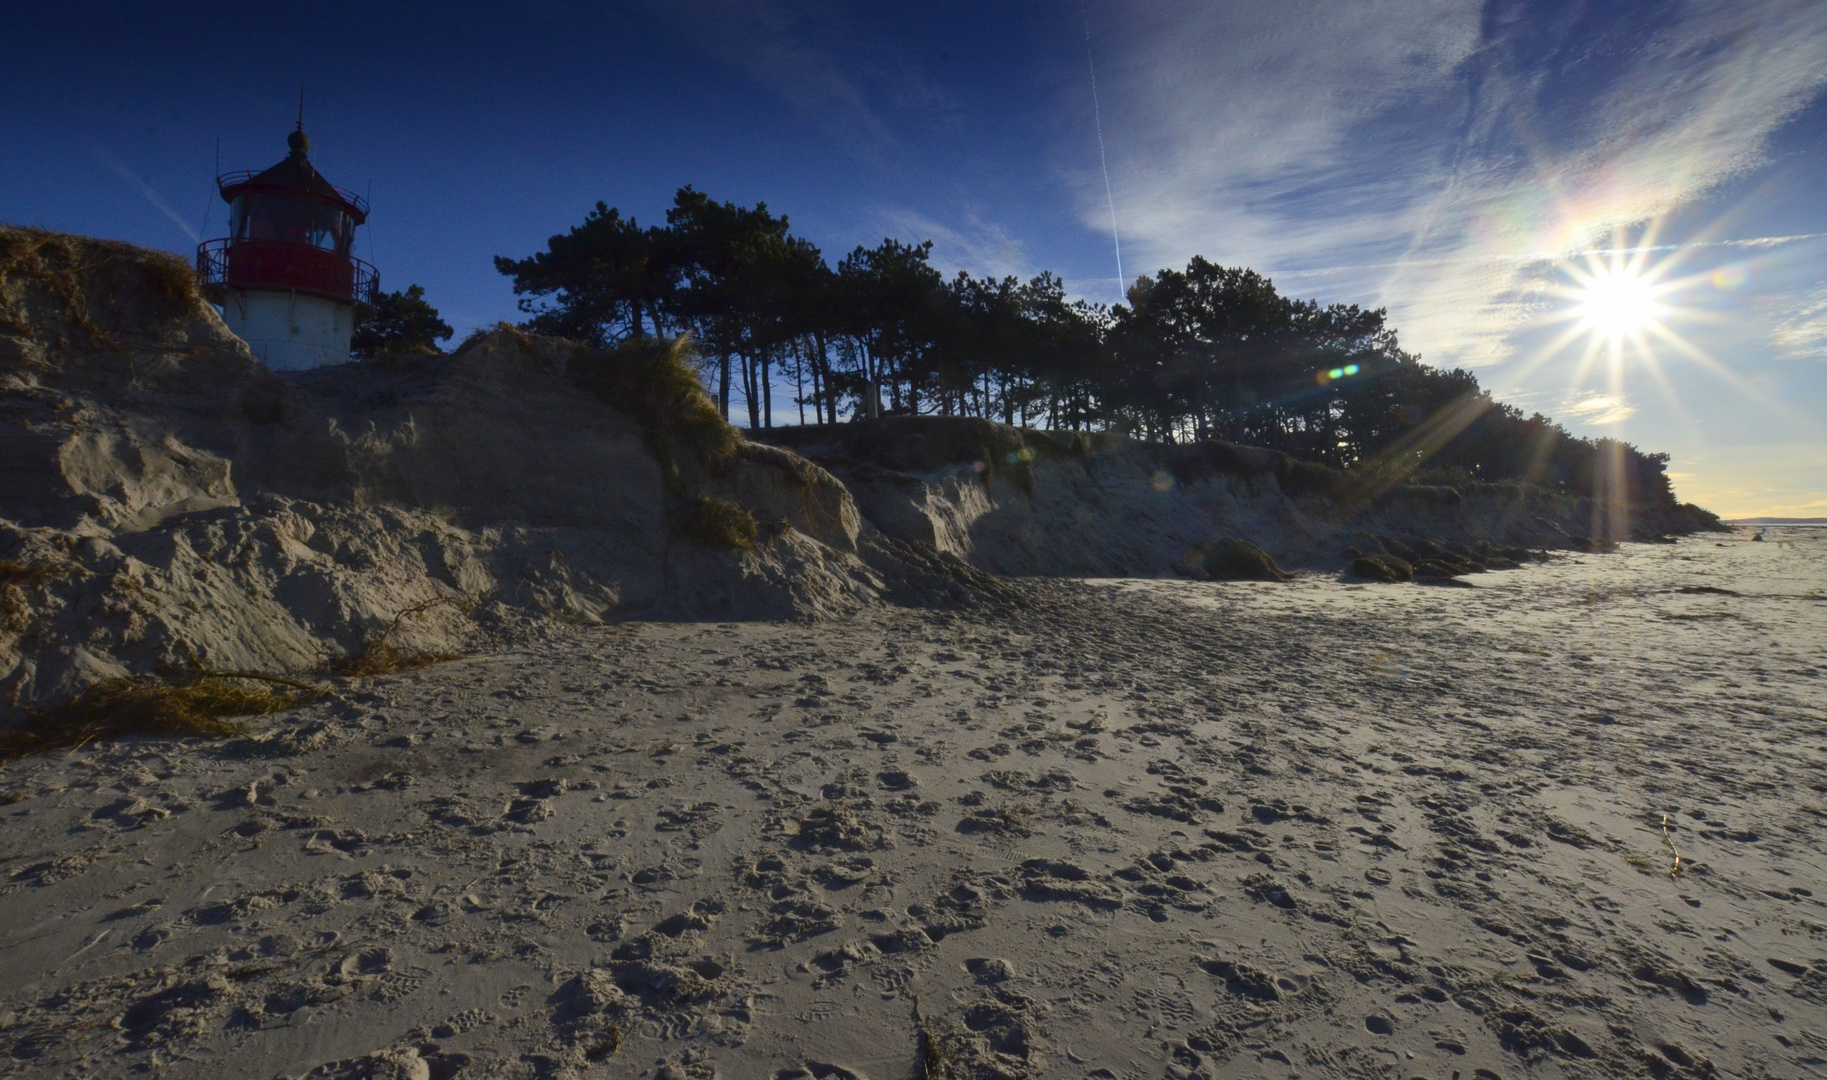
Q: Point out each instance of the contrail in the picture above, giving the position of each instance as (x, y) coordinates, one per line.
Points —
(1097, 115)
(146, 190)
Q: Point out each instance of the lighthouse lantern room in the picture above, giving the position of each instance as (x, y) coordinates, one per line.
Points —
(284, 276)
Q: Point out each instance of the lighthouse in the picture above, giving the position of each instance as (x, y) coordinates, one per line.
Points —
(284, 276)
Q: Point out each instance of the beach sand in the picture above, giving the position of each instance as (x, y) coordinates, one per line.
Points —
(1121, 828)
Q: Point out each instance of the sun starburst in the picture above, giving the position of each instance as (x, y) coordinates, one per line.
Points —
(1619, 300)
(1621, 307)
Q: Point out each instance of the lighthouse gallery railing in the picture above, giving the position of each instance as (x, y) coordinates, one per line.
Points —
(278, 264)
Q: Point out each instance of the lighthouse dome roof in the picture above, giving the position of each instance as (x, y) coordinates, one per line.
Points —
(294, 173)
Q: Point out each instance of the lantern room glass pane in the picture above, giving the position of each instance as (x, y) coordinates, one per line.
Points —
(330, 229)
(291, 220)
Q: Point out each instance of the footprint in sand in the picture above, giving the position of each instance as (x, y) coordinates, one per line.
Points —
(989, 970)
(818, 1070)
(896, 780)
(515, 997)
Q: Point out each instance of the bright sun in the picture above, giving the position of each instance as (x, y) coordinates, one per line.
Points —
(1620, 308)
(1618, 301)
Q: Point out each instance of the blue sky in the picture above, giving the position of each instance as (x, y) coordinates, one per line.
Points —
(1437, 157)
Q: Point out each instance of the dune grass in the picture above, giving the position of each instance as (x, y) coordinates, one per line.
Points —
(16, 578)
(34, 573)
(1232, 560)
(715, 523)
(85, 276)
(656, 382)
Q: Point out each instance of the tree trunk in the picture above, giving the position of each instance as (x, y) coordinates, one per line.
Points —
(799, 379)
(821, 376)
(872, 402)
(723, 384)
(818, 387)
(748, 390)
(821, 387)
(767, 390)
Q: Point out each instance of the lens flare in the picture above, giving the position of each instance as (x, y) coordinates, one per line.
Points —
(1729, 277)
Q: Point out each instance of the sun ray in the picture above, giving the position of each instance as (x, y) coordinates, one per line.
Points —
(1666, 390)
(1620, 312)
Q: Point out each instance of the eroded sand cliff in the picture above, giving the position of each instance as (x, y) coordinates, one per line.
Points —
(168, 506)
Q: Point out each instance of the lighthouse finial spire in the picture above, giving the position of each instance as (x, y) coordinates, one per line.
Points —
(300, 144)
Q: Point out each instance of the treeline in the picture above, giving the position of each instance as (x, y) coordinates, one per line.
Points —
(1204, 352)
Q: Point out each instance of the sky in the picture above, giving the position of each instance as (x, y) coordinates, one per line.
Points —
(1614, 213)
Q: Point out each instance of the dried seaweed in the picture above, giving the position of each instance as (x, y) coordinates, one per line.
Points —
(206, 707)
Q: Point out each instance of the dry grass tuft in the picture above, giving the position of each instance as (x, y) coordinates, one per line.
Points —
(932, 1063)
(1209, 458)
(382, 657)
(35, 573)
(1381, 566)
(84, 277)
(16, 577)
(715, 523)
(405, 359)
(508, 328)
(656, 382)
(139, 706)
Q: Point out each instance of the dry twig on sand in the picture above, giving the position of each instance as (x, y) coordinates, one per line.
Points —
(381, 657)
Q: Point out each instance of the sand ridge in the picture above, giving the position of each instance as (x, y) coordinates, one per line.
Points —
(1113, 828)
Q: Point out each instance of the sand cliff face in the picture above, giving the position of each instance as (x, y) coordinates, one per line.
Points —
(1019, 502)
(167, 504)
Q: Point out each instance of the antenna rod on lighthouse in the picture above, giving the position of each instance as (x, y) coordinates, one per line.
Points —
(301, 106)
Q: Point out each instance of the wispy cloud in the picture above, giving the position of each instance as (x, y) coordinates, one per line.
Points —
(1757, 480)
(1237, 131)
(1802, 329)
(809, 55)
(976, 244)
(1426, 153)
(1545, 257)
(1599, 409)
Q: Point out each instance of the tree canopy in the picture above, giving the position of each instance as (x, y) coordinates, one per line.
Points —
(597, 283)
(402, 322)
(1207, 351)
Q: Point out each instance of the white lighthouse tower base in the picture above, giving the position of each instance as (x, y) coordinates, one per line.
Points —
(290, 330)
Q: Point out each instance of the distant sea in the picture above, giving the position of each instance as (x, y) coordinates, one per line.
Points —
(1787, 523)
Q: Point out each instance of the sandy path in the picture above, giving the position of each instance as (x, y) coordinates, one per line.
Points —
(1136, 829)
